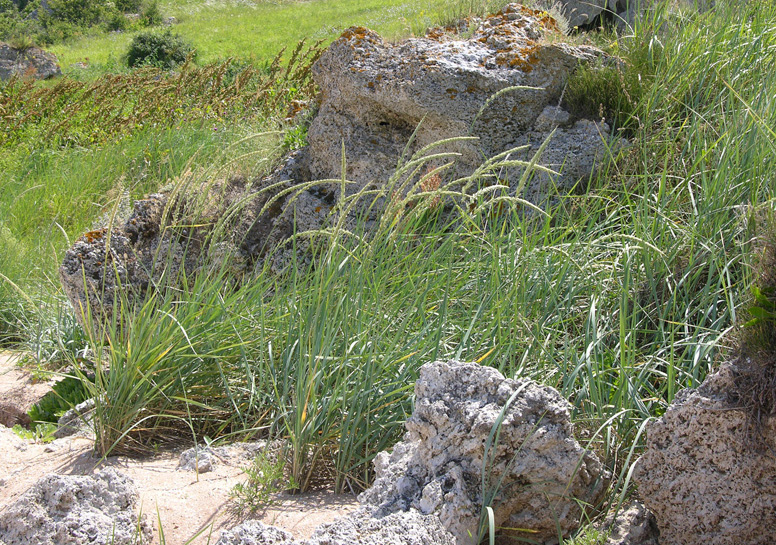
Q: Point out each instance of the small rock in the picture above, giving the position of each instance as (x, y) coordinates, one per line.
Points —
(31, 62)
(253, 532)
(199, 459)
(79, 419)
(77, 510)
(633, 525)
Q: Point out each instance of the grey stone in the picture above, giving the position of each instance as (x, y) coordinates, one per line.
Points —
(375, 94)
(699, 475)
(537, 475)
(583, 12)
(633, 525)
(27, 63)
(77, 510)
(253, 532)
(367, 527)
(77, 420)
(149, 246)
(199, 459)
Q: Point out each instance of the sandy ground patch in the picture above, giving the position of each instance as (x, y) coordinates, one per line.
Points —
(183, 502)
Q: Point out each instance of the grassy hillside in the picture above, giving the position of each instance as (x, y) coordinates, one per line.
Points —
(619, 296)
(256, 30)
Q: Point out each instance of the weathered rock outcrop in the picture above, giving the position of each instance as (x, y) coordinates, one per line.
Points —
(500, 85)
(149, 246)
(492, 85)
(536, 475)
(80, 510)
(27, 63)
(701, 477)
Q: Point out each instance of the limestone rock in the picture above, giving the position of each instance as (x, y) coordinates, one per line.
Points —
(366, 527)
(27, 63)
(78, 510)
(536, 474)
(254, 532)
(633, 525)
(76, 420)
(375, 94)
(699, 475)
(200, 460)
(154, 243)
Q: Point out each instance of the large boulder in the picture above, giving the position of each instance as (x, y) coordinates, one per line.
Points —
(702, 476)
(78, 510)
(536, 476)
(492, 84)
(382, 102)
(31, 62)
(585, 13)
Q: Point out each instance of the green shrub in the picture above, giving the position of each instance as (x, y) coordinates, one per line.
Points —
(160, 49)
(116, 21)
(128, 6)
(78, 12)
(7, 7)
(150, 15)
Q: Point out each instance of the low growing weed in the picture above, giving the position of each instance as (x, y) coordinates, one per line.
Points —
(265, 478)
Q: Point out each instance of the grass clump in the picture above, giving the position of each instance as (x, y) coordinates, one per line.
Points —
(163, 50)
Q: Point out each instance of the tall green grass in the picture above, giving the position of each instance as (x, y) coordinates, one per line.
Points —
(619, 297)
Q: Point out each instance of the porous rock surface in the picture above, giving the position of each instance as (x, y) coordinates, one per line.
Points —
(27, 63)
(500, 84)
(254, 532)
(366, 526)
(701, 477)
(149, 244)
(376, 94)
(537, 473)
(78, 510)
(633, 525)
(362, 527)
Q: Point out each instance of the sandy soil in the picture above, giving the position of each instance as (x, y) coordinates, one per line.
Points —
(182, 502)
